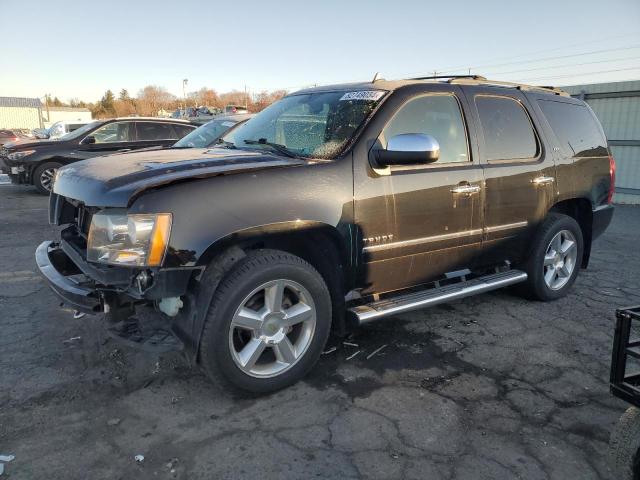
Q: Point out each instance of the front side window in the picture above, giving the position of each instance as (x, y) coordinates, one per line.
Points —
(314, 125)
(113, 133)
(435, 115)
(155, 131)
(508, 133)
(576, 129)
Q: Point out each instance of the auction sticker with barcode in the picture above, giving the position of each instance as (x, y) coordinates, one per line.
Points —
(372, 95)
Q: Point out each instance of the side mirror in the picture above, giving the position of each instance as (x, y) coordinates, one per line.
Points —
(90, 140)
(409, 149)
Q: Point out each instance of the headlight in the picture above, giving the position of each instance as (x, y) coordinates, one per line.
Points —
(135, 240)
(20, 154)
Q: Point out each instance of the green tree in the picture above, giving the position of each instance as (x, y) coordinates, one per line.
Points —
(124, 95)
(107, 102)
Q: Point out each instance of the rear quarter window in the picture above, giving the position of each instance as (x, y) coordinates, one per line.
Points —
(576, 129)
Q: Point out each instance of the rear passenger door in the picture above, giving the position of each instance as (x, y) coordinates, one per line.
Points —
(519, 172)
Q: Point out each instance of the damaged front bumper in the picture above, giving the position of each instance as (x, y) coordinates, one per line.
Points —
(116, 291)
(66, 280)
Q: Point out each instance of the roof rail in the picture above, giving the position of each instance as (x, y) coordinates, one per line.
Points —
(519, 86)
(440, 77)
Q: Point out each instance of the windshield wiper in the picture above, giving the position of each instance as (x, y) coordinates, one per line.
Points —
(275, 146)
(224, 144)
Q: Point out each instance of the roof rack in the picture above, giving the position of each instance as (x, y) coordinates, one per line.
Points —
(441, 77)
(519, 86)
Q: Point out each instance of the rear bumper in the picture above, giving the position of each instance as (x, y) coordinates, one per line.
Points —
(71, 286)
(601, 219)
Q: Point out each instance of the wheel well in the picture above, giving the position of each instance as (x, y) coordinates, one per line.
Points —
(319, 246)
(580, 210)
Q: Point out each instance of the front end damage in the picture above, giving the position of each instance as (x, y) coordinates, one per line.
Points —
(142, 306)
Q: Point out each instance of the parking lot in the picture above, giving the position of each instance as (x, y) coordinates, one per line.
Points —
(487, 387)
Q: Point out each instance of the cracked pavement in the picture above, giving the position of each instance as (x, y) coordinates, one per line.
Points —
(491, 386)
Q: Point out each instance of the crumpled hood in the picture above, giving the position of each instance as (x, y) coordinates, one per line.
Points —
(115, 179)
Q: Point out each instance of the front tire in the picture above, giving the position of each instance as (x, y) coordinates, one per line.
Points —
(267, 324)
(555, 258)
(43, 176)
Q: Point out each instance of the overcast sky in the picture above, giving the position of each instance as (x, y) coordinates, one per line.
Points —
(78, 49)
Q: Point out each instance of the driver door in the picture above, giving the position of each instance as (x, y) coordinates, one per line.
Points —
(110, 138)
(421, 222)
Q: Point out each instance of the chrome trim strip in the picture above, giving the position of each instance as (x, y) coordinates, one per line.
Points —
(506, 226)
(443, 237)
(420, 241)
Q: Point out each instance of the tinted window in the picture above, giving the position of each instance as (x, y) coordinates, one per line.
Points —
(112, 132)
(435, 115)
(155, 131)
(576, 128)
(182, 130)
(506, 128)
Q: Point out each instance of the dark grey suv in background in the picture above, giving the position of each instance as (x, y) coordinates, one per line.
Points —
(35, 163)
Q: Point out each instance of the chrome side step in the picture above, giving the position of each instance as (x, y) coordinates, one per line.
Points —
(434, 296)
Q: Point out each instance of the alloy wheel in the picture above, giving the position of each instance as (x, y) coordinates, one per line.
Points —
(46, 178)
(272, 328)
(560, 259)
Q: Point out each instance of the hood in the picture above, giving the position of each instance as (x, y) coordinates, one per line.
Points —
(27, 143)
(115, 180)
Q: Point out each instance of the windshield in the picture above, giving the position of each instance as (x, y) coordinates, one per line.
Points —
(205, 135)
(80, 131)
(315, 125)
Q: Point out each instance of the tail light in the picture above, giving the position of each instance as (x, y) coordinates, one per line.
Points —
(612, 179)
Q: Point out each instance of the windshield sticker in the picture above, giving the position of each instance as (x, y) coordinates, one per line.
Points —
(371, 95)
(228, 124)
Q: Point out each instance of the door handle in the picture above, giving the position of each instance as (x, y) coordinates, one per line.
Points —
(468, 189)
(542, 180)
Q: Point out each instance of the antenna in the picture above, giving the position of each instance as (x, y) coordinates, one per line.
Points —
(375, 77)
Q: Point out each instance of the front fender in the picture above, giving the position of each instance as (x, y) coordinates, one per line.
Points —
(211, 213)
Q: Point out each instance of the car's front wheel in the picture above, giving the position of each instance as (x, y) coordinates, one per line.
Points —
(43, 176)
(267, 324)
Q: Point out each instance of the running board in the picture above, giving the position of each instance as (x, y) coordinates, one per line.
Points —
(434, 296)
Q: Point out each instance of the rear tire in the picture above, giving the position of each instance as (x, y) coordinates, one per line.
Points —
(554, 259)
(43, 176)
(624, 445)
(268, 322)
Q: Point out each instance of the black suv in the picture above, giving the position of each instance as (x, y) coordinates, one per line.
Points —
(341, 203)
(36, 162)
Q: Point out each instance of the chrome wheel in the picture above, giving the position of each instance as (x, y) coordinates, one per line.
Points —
(560, 259)
(272, 329)
(46, 178)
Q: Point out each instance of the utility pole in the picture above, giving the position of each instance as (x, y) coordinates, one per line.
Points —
(184, 92)
(245, 96)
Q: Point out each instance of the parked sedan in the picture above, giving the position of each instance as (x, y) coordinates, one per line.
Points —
(35, 163)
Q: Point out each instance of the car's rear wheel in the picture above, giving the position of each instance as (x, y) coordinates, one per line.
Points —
(554, 260)
(43, 176)
(267, 324)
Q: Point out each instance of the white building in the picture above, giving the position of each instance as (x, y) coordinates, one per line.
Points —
(51, 115)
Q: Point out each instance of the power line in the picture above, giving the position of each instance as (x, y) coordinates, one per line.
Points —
(536, 52)
(580, 74)
(593, 52)
(567, 65)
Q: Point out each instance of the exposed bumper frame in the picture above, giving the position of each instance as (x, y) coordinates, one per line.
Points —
(625, 384)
